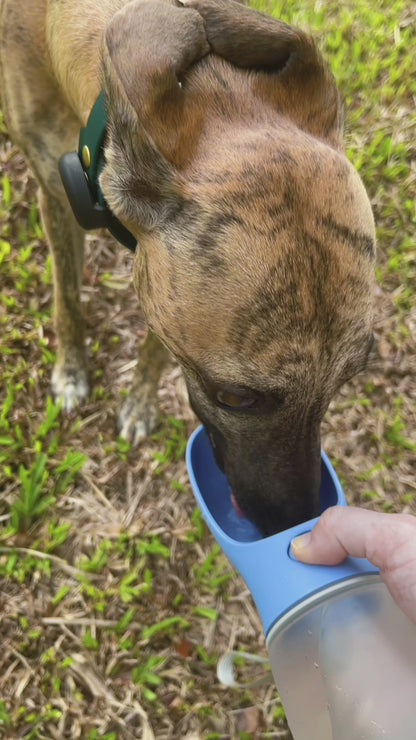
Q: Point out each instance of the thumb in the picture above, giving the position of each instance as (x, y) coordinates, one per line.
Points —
(388, 541)
(328, 543)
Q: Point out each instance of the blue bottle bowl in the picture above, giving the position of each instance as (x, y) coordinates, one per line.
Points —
(275, 578)
(213, 493)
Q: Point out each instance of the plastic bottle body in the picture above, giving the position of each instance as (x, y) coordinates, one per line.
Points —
(344, 663)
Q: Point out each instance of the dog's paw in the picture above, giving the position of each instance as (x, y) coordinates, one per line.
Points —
(69, 386)
(138, 417)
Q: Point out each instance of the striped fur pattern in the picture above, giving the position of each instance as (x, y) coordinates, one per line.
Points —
(256, 240)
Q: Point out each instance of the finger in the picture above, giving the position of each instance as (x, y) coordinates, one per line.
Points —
(332, 538)
(388, 541)
(343, 531)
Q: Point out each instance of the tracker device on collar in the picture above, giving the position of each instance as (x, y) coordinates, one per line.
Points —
(80, 173)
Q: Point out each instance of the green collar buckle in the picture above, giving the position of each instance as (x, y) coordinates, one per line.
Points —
(80, 173)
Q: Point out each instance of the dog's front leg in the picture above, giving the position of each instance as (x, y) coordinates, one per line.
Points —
(42, 125)
(138, 414)
(66, 240)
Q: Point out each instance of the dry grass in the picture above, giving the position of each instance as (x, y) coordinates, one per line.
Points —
(121, 549)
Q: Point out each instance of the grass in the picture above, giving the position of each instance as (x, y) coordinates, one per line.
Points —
(116, 603)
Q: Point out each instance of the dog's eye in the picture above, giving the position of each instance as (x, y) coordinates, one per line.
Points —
(235, 401)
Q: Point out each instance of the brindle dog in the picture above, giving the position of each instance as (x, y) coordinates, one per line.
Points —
(224, 158)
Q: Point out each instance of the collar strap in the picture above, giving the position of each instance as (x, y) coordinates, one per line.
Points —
(80, 172)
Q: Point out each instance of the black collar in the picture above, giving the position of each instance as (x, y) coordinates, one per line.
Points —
(80, 173)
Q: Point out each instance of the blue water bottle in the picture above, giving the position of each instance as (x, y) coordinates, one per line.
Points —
(343, 655)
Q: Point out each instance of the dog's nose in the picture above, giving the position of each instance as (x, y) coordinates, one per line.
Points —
(282, 503)
(273, 518)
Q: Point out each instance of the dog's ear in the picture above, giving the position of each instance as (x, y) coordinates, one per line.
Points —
(297, 80)
(148, 46)
(246, 37)
(151, 44)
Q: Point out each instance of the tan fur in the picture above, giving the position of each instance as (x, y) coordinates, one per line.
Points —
(255, 253)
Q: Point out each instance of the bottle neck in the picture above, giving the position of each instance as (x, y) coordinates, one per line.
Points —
(313, 600)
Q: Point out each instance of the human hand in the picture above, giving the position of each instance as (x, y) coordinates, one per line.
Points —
(388, 541)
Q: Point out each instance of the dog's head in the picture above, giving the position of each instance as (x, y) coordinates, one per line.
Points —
(255, 257)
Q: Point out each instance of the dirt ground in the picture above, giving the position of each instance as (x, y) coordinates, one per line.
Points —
(115, 603)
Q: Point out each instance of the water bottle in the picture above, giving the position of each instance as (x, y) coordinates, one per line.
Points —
(343, 655)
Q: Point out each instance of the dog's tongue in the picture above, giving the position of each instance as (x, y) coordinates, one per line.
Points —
(236, 506)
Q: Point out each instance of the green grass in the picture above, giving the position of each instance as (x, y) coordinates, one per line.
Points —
(117, 602)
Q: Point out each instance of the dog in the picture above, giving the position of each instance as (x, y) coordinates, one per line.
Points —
(255, 237)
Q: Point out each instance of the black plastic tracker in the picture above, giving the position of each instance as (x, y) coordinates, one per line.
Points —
(80, 173)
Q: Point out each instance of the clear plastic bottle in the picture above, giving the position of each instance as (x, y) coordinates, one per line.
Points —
(344, 663)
